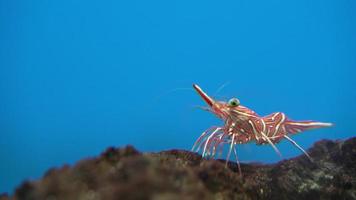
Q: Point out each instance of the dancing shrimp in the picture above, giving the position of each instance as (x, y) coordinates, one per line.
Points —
(242, 125)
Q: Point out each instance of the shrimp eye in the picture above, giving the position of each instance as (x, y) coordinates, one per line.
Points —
(234, 102)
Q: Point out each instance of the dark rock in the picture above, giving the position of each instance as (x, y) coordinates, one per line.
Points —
(3, 196)
(125, 173)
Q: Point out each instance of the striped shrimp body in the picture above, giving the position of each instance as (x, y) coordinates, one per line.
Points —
(242, 125)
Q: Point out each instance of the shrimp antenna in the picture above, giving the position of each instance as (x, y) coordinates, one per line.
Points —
(205, 108)
(221, 87)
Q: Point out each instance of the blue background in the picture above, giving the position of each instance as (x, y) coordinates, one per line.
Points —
(79, 76)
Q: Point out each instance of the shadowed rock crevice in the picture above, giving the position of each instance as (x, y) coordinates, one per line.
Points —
(125, 173)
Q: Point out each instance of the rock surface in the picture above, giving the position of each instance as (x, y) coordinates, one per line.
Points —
(125, 173)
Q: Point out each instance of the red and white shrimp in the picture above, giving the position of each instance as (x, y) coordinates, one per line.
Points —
(242, 125)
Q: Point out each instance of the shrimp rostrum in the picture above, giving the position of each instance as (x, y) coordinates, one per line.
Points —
(242, 125)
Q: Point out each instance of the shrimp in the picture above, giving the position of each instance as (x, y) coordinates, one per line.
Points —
(243, 125)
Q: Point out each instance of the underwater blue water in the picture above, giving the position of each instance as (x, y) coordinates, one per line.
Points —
(79, 76)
